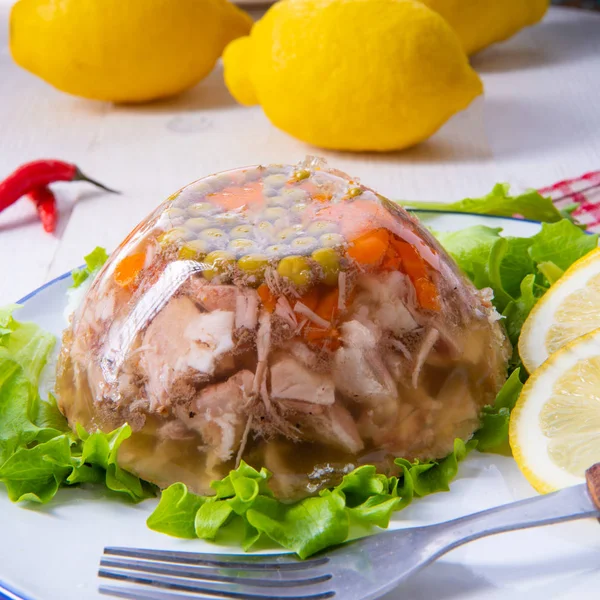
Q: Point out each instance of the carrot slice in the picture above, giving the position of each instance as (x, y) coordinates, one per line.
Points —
(412, 263)
(414, 266)
(427, 294)
(323, 338)
(235, 197)
(391, 260)
(370, 248)
(267, 298)
(322, 197)
(311, 298)
(127, 270)
(328, 305)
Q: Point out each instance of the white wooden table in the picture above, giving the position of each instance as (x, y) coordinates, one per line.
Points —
(538, 122)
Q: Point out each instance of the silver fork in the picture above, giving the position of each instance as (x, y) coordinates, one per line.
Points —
(359, 570)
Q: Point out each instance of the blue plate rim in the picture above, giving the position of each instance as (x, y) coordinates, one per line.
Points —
(9, 593)
(35, 292)
(41, 289)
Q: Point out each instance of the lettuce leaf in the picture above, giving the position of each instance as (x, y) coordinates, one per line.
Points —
(244, 502)
(493, 433)
(38, 451)
(93, 262)
(519, 271)
(530, 205)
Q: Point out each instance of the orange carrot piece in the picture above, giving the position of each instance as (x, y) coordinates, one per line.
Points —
(328, 305)
(311, 298)
(414, 266)
(266, 297)
(370, 248)
(323, 338)
(322, 197)
(127, 270)
(412, 263)
(391, 260)
(427, 294)
(235, 197)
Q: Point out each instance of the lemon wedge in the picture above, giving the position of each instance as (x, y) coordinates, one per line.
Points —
(555, 426)
(569, 309)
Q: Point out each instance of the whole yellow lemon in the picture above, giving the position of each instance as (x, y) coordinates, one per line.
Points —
(480, 23)
(352, 74)
(123, 50)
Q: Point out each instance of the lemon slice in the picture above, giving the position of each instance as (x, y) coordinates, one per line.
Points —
(555, 425)
(570, 308)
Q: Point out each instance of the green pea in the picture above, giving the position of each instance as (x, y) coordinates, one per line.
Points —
(222, 180)
(173, 236)
(201, 188)
(228, 219)
(174, 212)
(274, 212)
(265, 230)
(304, 244)
(255, 265)
(241, 246)
(241, 231)
(287, 234)
(299, 208)
(301, 174)
(296, 269)
(194, 250)
(214, 235)
(275, 181)
(295, 194)
(353, 192)
(218, 263)
(198, 223)
(278, 201)
(329, 261)
(332, 240)
(277, 250)
(201, 209)
(320, 227)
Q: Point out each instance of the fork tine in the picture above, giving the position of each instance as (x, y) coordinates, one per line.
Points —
(263, 579)
(229, 561)
(131, 593)
(211, 590)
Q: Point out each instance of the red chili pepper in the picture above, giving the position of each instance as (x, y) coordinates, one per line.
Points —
(45, 204)
(40, 173)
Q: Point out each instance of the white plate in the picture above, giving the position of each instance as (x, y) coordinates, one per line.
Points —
(52, 552)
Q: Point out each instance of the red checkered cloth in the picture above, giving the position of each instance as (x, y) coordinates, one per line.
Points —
(584, 191)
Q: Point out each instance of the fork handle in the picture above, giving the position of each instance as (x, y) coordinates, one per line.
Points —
(571, 503)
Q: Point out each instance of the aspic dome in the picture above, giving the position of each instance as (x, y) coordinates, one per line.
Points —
(286, 315)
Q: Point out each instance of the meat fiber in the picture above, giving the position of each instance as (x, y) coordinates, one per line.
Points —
(218, 413)
(182, 343)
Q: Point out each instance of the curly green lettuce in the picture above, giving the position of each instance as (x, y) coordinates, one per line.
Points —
(529, 205)
(93, 263)
(38, 451)
(519, 271)
(243, 504)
